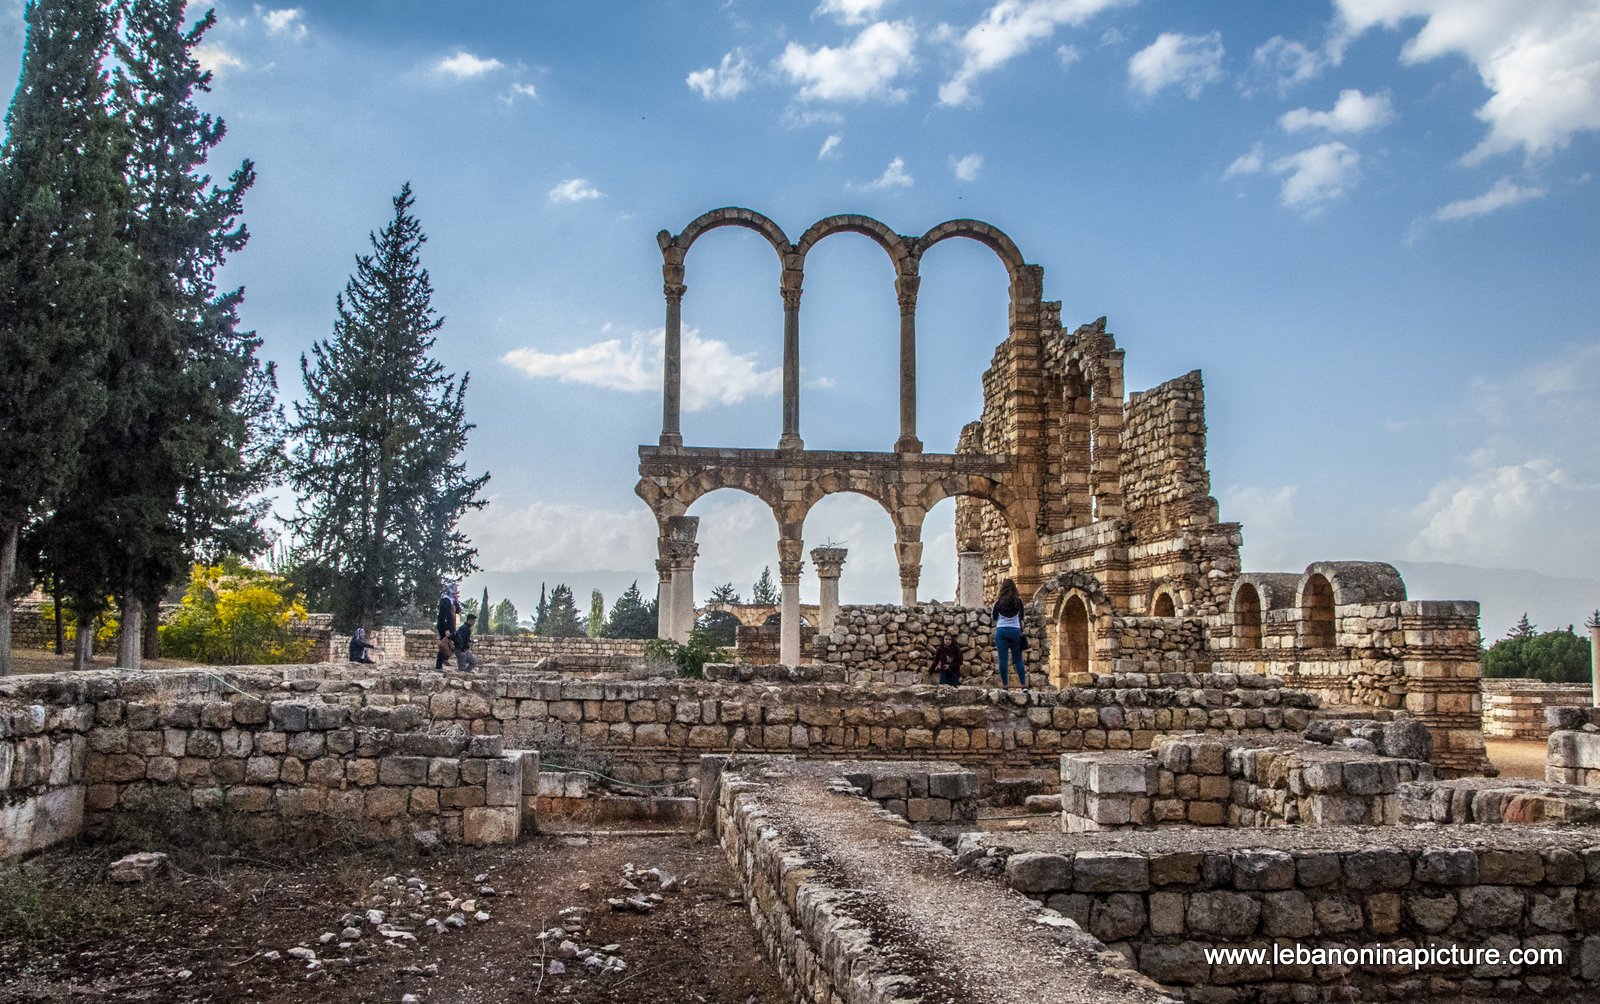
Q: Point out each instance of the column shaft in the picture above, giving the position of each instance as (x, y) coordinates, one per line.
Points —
(969, 579)
(664, 607)
(683, 599)
(672, 369)
(906, 288)
(790, 440)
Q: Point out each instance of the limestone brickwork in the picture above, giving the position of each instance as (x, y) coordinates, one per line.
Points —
(1515, 709)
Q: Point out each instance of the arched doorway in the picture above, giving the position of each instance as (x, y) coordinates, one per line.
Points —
(1316, 613)
(1163, 606)
(1072, 641)
(1247, 617)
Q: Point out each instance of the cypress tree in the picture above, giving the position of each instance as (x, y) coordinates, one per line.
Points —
(378, 440)
(596, 621)
(63, 265)
(541, 613)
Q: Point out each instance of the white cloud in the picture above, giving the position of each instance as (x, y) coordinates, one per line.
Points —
(830, 146)
(1496, 515)
(1068, 54)
(966, 169)
(1007, 29)
(287, 21)
(1271, 530)
(1502, 195)
(1246, 163)
(721, 375)
(725, 81)
(1288, 62)
(863, 70)
(1540, 58)
(1354, 112)
(520, 90)
(893, 176)
(547, 535)
(216, 60)
(1317, 176)
(574, 190)
(1189, 62)
(852, 11)
(464, 65)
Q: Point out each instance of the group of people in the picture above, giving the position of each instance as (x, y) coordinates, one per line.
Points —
(454, 640)
(1009, 643)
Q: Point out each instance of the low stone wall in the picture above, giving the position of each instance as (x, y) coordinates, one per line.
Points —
(829, 910)
(894, 644)
(1514, 709)
(1165, 897)
(1497, 801)
(43, 752)
(1203, 781)
(591, 654)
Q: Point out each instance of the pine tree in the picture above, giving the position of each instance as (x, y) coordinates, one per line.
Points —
(484, 606)
(504, 620)
(596, 621)
(1523, 629)
(631, 616)
(725, 593)
(63, 266)
(561, 619)
(376, 463)
(763, 592)
(541, 613)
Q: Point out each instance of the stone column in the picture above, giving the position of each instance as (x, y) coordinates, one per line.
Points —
(969, 578)
(909, 554)
(682, 548)
(829, 562)
(1594, 665)
(790, 291)
(672, 364)
(905, 287)
(789, 638)
(664, 606)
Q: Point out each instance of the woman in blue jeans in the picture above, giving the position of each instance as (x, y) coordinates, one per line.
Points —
(1008, 633)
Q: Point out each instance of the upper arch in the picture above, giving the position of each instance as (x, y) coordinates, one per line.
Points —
(892, 243)
(729, 216)
(986, 234)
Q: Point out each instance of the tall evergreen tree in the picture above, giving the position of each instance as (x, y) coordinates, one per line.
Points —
(561, 619)
(764, 592)
(186, 393)
(596, 621)
(484, 606)
(377, 463)
(504, 620)
(1523, 628)
(631, 616)
(541, 613)
(725, 593)
(63, 265)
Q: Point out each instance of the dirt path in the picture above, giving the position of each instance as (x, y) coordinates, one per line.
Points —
(1517, 757)
(182, 939)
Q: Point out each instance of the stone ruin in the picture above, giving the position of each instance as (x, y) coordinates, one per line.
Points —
(1286, 769)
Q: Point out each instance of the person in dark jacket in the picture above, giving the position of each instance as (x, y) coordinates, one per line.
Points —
(465, 660)
(449, 607)
(947, 662)
(1008, 633)
(359, 646)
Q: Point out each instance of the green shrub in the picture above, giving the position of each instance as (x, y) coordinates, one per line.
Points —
(234, 616)
(1551, 656)
(688, 658)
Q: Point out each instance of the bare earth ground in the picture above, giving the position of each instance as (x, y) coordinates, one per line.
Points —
(67, 934)
(1517, 757)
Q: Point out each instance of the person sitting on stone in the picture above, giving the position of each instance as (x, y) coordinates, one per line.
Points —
(465, 660)
(359, 646)
(947, 662)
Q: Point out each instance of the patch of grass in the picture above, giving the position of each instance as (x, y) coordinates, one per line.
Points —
(53, 902)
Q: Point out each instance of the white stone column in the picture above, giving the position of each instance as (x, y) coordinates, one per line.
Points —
(1594, 665)
(829, 562)
(664, 606)
(681, 551)
(789, 634)
(908, 551)
(969, 578)
(790, 291)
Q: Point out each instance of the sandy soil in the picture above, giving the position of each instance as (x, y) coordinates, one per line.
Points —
(1517, 757)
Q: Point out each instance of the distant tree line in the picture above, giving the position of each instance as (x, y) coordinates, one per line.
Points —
(1552, 656)
(140, 431)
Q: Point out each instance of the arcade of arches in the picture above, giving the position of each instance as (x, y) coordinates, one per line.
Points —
(1096, 502)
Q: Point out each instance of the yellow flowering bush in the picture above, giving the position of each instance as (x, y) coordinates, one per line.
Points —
(233, 616)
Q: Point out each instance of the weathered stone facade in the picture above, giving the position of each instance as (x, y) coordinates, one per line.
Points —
(1515, 709)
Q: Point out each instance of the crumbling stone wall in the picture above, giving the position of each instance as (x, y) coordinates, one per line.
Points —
(1573, 754)
(894, 644)
(595, 654)
(43, 752)
(1166, 897)
(1515, 709)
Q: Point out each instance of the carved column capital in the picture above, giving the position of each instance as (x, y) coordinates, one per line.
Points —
(829, 561)
(674, 292)
(791, 297)
(905, 288)
(789, 571)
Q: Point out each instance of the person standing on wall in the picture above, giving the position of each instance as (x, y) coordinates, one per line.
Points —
(1008, 633)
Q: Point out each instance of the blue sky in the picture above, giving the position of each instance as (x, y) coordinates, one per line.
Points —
(1372, 223)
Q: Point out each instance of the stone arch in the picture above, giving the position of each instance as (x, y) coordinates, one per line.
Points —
(989, 236)
(1360, 581)
(729, 216)
(1317, 627)
(905, 263)
(997, 493)
(678, 498)
(1077, 645)
(1245, 606)
(836, 483)
(1163, 605)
